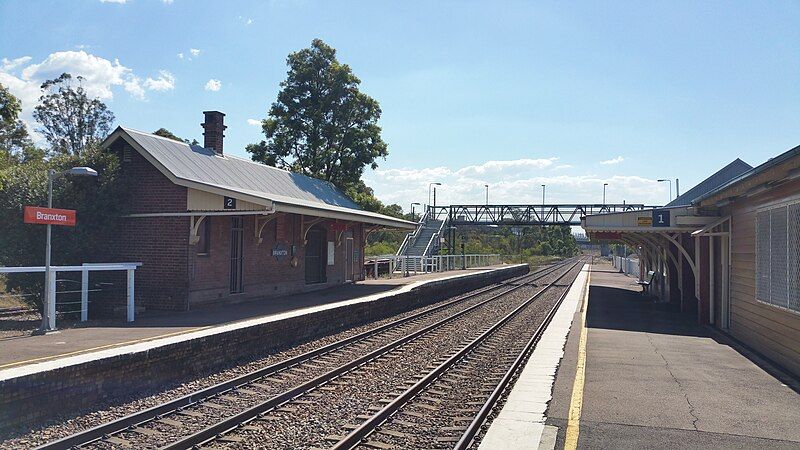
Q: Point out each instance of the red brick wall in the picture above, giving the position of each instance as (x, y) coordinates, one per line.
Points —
(263, 275)
(174, 276)
(160, 243)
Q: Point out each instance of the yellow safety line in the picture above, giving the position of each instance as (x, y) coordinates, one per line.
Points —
(89, 350)
(576, 404)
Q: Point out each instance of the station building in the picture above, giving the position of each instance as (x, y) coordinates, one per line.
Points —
(211, 227)
(730, 253)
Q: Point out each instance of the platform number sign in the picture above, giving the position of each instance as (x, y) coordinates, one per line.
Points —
(229, 202)
(661, 218)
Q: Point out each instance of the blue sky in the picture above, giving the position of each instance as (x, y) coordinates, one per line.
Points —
(510, 94)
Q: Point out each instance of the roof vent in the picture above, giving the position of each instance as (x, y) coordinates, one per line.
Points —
(214, 130)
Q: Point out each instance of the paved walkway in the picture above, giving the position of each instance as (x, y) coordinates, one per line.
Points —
(19, 351)
(655, 379)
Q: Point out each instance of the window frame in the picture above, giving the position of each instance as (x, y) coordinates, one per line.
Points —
(204, 245)
(792, 244)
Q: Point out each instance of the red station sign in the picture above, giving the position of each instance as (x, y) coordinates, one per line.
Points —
(49, 216)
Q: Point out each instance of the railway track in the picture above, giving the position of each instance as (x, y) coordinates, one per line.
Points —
(323, 413)
(447, 406)
(185, 421)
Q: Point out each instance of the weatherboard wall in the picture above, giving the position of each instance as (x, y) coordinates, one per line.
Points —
(769, 329)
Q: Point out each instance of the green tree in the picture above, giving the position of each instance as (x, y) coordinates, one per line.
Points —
(70, 120)
(321, 124)
(163, 132)
(14, 139)
(99, 203)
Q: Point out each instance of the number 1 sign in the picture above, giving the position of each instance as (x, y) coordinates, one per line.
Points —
(661, 218)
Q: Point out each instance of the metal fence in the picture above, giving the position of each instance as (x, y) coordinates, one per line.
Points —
(85, 269)
(394, 265)
(627, 265)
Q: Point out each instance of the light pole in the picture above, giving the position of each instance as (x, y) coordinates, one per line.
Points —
(670, 187)
(543, 188)
(429, 191)
(412, 210)
(52, 175)
(487, 194)
(604, 193)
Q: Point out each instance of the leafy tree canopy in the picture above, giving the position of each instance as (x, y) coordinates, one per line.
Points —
(99, 200)
(321, 124)
(14, 139)
(70, 120)
(163, 132)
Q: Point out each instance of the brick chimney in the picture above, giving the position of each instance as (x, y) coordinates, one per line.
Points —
(214, 129)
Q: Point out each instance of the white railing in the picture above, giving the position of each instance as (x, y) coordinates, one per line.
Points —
(627, 265)
(402, 265)
(84, 269)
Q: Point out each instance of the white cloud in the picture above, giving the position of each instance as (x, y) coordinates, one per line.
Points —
(180, 55)
(254, 122)
(510, 182)
(99, 74)
(246, 20)
(8, 65)
(168, 2)
(511, 166)
(616, 160)
(164, 82)
(194, 51)
(213, 85)
(101, 77)
(121, 2)
(562, 167)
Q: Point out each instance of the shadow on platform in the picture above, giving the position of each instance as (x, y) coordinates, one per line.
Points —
(628, 310)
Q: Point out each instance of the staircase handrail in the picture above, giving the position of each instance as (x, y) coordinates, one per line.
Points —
(433, 237)
(411, 238)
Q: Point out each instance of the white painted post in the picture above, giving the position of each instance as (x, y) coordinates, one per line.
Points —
(711, 275)
(84, 295)
(376, 268)
(130, 296)
(51, 301)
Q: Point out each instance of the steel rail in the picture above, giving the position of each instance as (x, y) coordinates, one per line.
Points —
(231, 423)
(99, 432)
(122, 424)
(367, 427)
(474, 427)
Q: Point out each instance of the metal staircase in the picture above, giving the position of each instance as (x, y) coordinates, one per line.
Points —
(424, 241)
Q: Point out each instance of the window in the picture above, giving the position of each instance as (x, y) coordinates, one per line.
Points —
(126, 153)
(777, 260)
(204, 244)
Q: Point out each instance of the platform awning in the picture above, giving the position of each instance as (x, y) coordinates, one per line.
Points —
(678, 219)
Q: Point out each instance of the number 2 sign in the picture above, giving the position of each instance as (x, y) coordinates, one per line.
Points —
(661, 218)
(229, 202)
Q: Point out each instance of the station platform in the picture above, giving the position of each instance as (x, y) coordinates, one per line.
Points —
(63, 373)
(152, 326)
(640, 374)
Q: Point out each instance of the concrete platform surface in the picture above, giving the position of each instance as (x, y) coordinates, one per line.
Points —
(158, 325)
(655, 379)
(521, 422)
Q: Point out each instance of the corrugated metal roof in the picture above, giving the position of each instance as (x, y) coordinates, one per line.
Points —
(196, 164)
(719, 178)
(770, 163)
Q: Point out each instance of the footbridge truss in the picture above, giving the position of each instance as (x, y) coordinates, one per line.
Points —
(526, 215)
